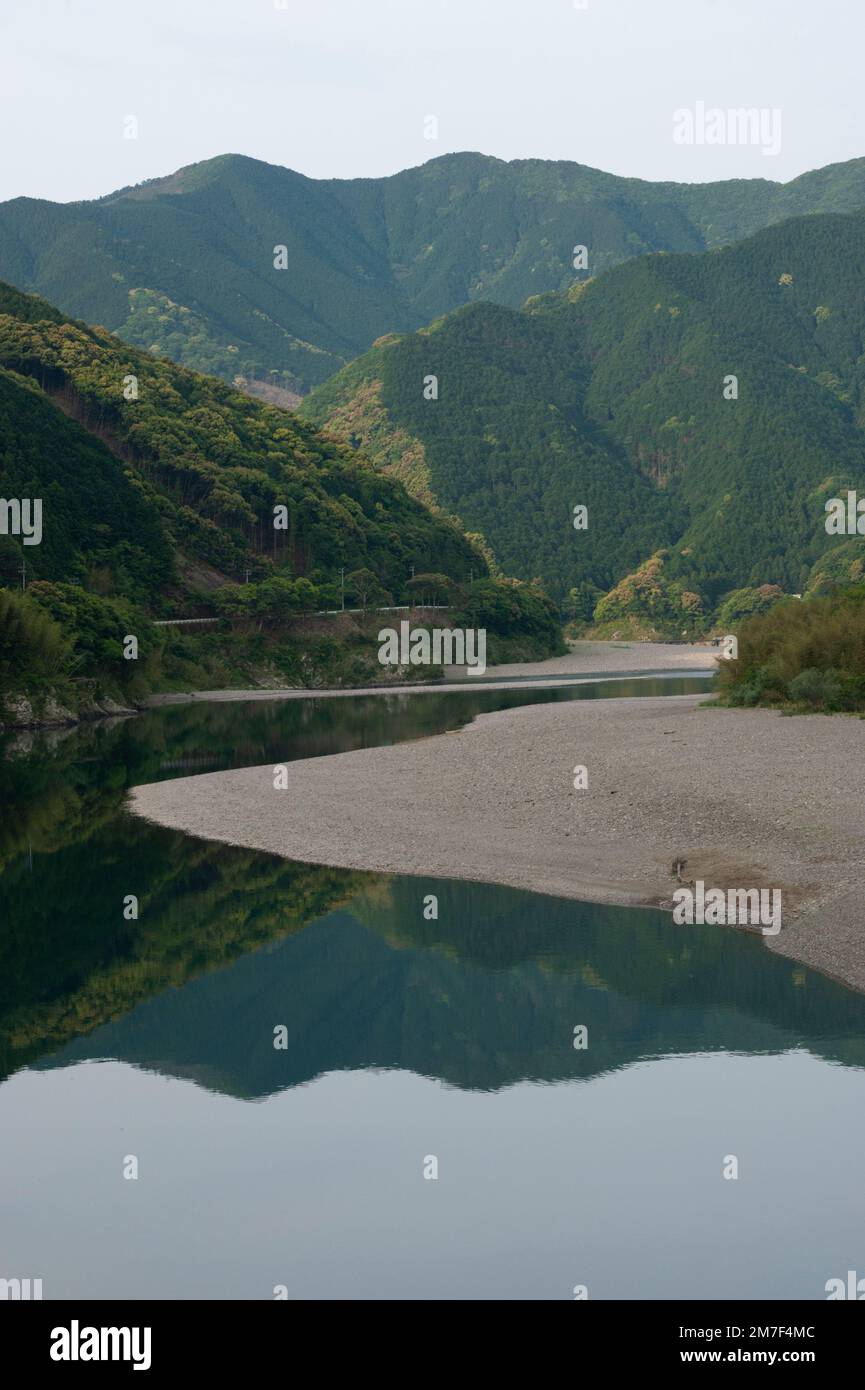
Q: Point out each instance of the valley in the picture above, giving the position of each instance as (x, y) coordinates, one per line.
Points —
(432, 670)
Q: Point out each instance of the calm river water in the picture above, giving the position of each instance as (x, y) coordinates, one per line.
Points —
(410, 1046)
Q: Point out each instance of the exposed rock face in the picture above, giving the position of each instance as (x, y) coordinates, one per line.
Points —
(20, 713)
(111, 707)
(103, 708)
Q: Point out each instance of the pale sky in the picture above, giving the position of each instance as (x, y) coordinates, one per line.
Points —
(341, 88)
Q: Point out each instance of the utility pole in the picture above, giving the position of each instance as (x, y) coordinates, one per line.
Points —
(246, 576)
(342, 586)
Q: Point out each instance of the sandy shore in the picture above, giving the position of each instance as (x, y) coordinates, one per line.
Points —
(584, 661)
(747, 798)
(616, 658)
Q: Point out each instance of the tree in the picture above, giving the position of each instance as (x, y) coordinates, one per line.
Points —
(367, 588)
(437, 587)
(277, 599)
(33, 649)
(581, 601)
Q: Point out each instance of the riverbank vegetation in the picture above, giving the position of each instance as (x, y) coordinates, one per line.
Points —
(63, 648)
(801, 655)
(167, 495)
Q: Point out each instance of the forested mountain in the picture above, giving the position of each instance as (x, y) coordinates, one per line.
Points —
(165, 493)
(158, 461)
(618, 395)
(185, 266)
(508, 443)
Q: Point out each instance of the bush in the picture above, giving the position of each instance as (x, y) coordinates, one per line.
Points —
(746, 603)
(817, 688)
(508, 608)
(808, 652)
(33, 650)
(759, 687)
(96, 628)
(831, 690)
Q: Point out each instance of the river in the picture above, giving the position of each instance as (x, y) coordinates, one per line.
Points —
(283, 1077)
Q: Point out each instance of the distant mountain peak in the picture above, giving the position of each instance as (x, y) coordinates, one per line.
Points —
(363, 257)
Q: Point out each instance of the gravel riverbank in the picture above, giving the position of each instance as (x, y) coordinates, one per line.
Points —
(746, 798)
(583, 661)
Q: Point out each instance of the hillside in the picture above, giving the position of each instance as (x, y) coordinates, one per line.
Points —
(184, 265)
(160, 492)
(188, 465)
(612, 395)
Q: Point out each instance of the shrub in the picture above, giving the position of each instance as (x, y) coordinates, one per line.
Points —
(33, 650)
(809, 652)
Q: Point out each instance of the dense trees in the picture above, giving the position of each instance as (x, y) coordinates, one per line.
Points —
(163, 492)
(184, 266)
(33, 650)
(235, 482)
(507, 447)
(650, 603)
(706, 406)
(521, 616)
(97, 518)
(806, 652)
(430, 588)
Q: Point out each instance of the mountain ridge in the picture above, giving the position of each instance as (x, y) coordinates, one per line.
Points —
(611, 395)
(184, 265)
(451, 157)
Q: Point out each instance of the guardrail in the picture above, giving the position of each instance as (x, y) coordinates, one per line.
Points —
(316, 613)
(183, 622)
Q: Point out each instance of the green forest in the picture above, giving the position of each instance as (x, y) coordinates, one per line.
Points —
(186, 267)
(801, 655)
(653, 447)
(702, 408)
(166, 494)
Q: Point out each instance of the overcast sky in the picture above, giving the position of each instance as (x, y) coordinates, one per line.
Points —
(343, 87)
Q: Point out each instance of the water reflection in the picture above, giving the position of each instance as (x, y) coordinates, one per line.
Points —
(70, 855)
(487, 996)
(404, 1037)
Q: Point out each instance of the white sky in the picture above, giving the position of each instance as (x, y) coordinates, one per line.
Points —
(342, 87)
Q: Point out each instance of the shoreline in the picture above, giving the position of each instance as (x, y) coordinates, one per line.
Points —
(606, 660)
(746, 798)
(446, 687)
(626, 660)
